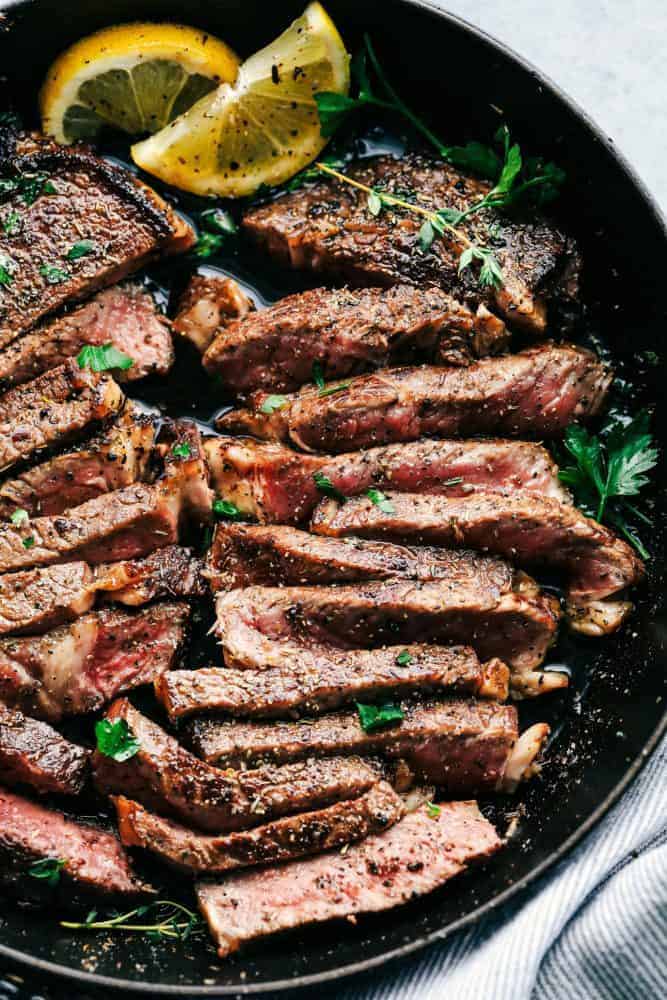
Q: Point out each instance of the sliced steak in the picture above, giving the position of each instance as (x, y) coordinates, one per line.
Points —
(170, 572)
(274, 484)
(282, 840)
(120, 525)
(80, 667)
(530, 530)
(165, 777)
(186, 467)
(318, 679)
(419, 854)
(518, 624)
(113, 459)
(39, 599)
(54, 409)
(32, 753)
(125, 223)
(345, 331)
(209, 302)
(125, 316)
(533, 394)
(462, 747)
(327, 228)
(93, 861)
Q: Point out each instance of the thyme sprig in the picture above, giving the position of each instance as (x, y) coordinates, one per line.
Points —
(172, 920)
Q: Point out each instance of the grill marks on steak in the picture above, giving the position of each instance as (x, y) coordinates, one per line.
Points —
(165, 777)
(292, 680)
(94, 860)
(32, 753)
(533, 394)
(54, 409)
(113, 459)
(78, 668)
(281, 840)
(416, 856)
(530, 530)
(327, 228)
(126, 221)
(274, 484)
(209, 302)
(125, 316)
(39, 599)
(346, 331)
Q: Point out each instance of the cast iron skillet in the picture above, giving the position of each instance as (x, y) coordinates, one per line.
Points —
(612, 718)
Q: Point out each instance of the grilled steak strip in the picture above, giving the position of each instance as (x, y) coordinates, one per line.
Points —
(113, 459)
(32, 753)
(276, 485)
(346, 331)
(209, 302)
(531, 530)
(94, 860)
(166, 778)
(78, 668)
(282, 840)
(120, 525)
(316, 680)
(416, 856)
(169, 572)
(185, 466)
(517, 625)
(125, 316)
(54, 409)
(127, 223)
(533, 394)
(38, 599)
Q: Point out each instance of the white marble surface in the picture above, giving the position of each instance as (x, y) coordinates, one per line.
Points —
(609, 55)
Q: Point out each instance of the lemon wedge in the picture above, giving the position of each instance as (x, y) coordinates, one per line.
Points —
(135, 77)
(263, 128)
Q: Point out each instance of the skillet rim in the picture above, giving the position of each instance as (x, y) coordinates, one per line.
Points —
(296, 983)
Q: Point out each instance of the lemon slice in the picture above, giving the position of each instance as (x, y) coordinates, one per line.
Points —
(135, 77)
(265, 127)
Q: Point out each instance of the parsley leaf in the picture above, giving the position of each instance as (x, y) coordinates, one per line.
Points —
(374, 203)
(217, 220)
(325, 486)
(19, 517)
(47, 869)
(380, 500)
(272, 404)
(11, 223)
(227, 509)
(207, 245)
(7, 268)
(28, 542)
(376, 716)
(404, 659)
(115, 739)
(433, 810)
(318, 376)
(54, 275)
(80, 249)
(181, 450)
(101, 359)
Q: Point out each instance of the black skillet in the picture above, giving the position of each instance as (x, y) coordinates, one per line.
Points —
(613, 716)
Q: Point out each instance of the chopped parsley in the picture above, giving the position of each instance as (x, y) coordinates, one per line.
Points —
(80, 249)
(28, 187)
(28, 542)
(115, 739)
(7, 268)
(376, 716)
(380, 500)
(433, 810)
(11, 223)
(217, 220)
(325, 486)
(318, 375)
(19, 517)
(207, 245)
(101, 359)
(54, 275)
(404, 659)
(226, 509)
(48, 869)
(272, 404)
(181, 450)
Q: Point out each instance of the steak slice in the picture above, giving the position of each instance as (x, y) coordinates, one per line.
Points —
(185, 466)
(170, 572)
(93, 861)
(120, 525)
(318, 679)
(533, 394)
(125, 316)
(113, 459)
(517, 624)
(274, 484)
(531, 530)
(32, 753)
(209, 302)
(39, 599)
(416, 856)
(78, 668)
(54, 409)
(346, 331)
(126, 222)
(327, 228)
(281, 840)
(166, 778)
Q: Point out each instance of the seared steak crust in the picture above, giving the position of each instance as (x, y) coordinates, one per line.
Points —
(209, 303)
(533, 394)
(316, 680)
(54, 409)
(170, 572)
(78, 668)
(327, 228)
(39, 599)
(127, 223)
(418, 854)
(32, 753)
(346, 331)
(282, 840)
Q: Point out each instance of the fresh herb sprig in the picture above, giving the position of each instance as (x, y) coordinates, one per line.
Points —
(115, 739)
(48, 870)
(377, 716)
(226, 510)
(103, 358)
(171, 920)
(325, 486)
(609, 468)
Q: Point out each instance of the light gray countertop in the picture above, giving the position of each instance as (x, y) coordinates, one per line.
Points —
(609, 55)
